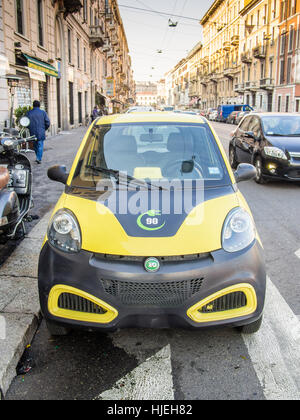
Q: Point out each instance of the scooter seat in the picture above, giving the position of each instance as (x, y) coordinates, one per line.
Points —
(4, 178)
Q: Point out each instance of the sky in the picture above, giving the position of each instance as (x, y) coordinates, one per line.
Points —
(148, 32)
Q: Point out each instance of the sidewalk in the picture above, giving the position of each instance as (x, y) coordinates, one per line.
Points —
(19, 302)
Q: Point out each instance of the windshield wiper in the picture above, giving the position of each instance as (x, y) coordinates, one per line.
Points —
(122, 176)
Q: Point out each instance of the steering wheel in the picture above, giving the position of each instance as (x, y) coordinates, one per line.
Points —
(167, 169)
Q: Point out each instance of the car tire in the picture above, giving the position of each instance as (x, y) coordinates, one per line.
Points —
(259, 179)
(232, 158)
(57, 330)
(251, 328)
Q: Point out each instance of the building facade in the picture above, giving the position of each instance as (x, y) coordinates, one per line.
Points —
(70, 55)
(146, 94)
(250, 53)
(287, 92)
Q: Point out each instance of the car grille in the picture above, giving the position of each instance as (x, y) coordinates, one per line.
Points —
(73, 302)
(153, 294)
(228, 302)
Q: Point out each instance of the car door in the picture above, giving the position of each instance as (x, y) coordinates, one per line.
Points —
(240, 140)
(249, 141)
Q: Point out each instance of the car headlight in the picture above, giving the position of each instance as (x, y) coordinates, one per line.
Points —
(238, 230)
(64, 232)
(275, 152)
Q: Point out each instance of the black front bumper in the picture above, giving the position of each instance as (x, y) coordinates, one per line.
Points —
(142, 298)
(285, 170)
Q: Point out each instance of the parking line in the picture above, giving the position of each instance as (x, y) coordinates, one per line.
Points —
(275, 349)
(297, 253)
(151, 380)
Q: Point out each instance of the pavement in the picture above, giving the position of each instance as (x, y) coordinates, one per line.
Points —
(19, 303)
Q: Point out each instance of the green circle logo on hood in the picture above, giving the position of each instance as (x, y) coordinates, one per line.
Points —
(150, 220)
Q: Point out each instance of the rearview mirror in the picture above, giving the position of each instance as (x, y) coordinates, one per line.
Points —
(245, 172)
(58, 173)
(187, 166)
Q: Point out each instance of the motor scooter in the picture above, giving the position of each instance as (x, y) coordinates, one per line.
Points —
(15, 182)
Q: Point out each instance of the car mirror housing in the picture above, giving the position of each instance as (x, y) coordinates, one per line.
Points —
(251, 135)
(245, 172)
(58, 173)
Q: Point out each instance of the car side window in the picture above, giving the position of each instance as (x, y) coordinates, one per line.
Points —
(245, 124)
(254, 126)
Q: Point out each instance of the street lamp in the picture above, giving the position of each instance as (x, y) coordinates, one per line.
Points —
(13, 82)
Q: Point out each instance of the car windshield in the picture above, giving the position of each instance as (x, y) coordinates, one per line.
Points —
(151, 151)
(281, 125)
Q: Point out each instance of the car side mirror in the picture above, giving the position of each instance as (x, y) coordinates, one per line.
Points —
(250, 134)
(245, 172)
(58, 173)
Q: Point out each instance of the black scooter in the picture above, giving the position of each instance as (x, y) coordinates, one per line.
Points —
(15, 184)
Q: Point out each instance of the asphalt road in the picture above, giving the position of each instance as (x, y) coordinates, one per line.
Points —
(206, 365)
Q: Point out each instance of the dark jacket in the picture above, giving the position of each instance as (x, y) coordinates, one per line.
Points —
(39, 123)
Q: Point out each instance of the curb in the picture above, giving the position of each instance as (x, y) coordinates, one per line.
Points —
(19, 302)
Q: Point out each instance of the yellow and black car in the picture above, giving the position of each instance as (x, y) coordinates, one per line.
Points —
(151, 231)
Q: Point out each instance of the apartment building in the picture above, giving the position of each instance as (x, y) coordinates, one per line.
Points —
(70, 55)
(3, 71)
(146, 93)
(287, 92)
(258, 53)
(220, 65)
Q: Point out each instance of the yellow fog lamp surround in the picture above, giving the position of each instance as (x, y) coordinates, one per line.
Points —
(207, 311)
(101, 312)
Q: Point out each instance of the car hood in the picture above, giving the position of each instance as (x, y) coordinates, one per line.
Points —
(107, 232)
(291, 144)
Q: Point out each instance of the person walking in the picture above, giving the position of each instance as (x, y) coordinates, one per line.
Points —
(39, 123)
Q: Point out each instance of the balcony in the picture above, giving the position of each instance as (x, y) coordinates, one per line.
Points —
(259, 52)
(235, 40)
(228, 72)
(68, 6)
(245, 58)
(96, 36)
(227, 46)
(252, 86)
(239, 88)
(267, 83)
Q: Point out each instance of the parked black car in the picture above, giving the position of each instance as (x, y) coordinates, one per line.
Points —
(271, 142)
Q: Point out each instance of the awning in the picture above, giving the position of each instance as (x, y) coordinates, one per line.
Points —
(41, 66)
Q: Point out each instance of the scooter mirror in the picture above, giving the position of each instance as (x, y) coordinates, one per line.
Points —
(25, 122)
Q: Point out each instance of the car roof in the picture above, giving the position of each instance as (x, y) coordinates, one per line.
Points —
(275, 114)
(151, 117)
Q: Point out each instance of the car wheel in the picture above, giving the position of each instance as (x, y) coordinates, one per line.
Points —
(259, 179)
(251, 328)
(232, 158)
(55, 329)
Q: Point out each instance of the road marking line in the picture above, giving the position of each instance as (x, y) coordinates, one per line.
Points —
(275, 349)
(151, 380)
(297, 253)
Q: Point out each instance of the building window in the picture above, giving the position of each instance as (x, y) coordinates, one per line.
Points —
(282, 62)
(289, 68)
(287, 103)
(78, 53)
(70, 46)
(20, 16)
(84, 59)
(40, 22)
(291, 38)
(279, 104)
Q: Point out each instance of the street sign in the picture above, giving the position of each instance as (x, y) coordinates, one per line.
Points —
(110, 86)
